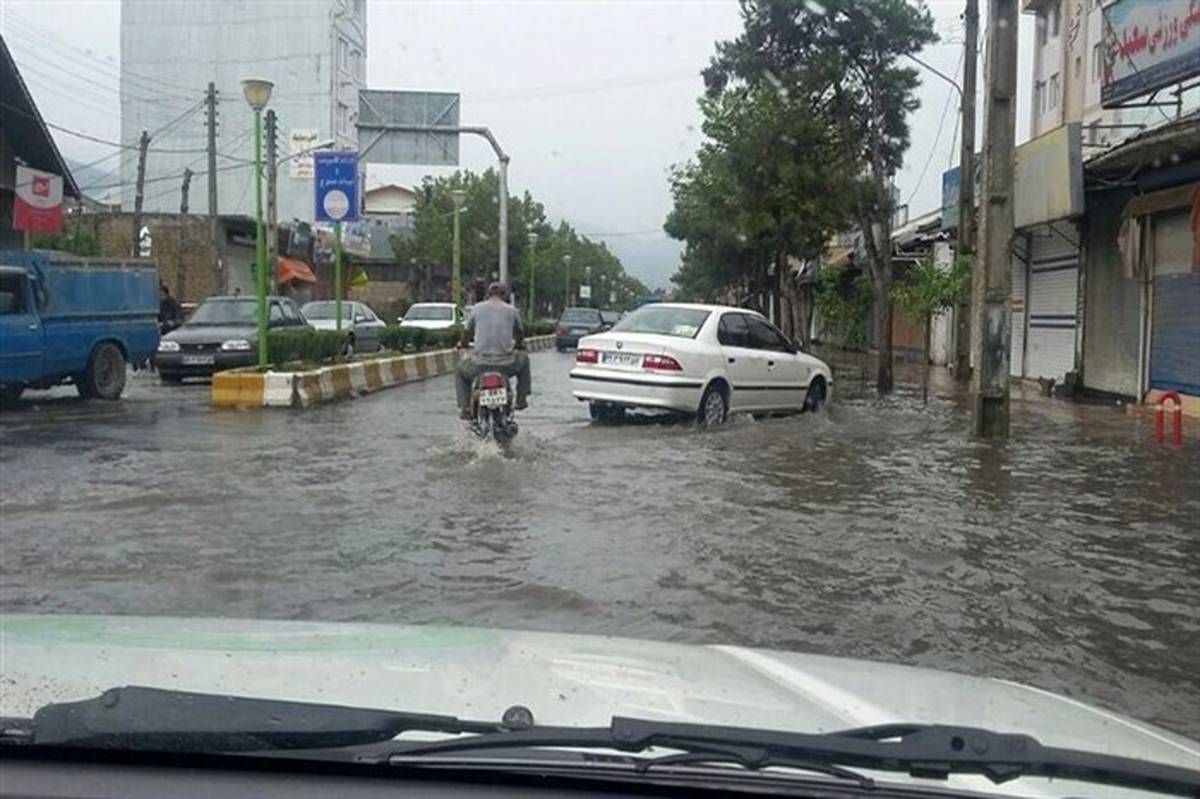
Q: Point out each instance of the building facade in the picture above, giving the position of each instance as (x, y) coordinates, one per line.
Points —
(313, 51)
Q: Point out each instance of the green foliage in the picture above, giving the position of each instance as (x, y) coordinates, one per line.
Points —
(928, 289)
(540, 327)
(406, 339)
(844, 302)
(432, 245)
(307, 346)
(75, 239)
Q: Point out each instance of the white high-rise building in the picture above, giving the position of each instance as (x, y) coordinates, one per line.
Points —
(313, 50)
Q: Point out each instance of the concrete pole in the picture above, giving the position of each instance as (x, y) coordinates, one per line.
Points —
(210, 108)
(966, 189)
(260, 243)
(457, 196)
(140, 193)
(503, 237)
(993, 275)
(181, 260)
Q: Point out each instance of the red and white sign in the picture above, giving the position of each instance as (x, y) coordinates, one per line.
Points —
(39, 201)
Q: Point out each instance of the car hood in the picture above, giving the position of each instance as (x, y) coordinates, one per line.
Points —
(211, 334)
(563, 679)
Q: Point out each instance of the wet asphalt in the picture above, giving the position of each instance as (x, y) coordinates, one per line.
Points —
(1068, 558)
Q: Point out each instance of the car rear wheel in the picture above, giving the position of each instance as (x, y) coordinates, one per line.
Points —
(815, 397)
(104, 375)
(714, 406)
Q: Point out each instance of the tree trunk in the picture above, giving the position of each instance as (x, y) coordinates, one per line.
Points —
(886, 310)
(925, 361)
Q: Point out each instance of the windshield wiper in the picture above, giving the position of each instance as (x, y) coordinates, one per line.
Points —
(180, 721)
(134, 717)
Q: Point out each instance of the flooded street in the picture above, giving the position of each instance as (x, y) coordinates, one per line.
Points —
(1068, 559)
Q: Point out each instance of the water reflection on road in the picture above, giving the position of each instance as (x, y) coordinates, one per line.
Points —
(1068, 558)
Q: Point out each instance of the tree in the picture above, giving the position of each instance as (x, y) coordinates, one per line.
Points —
(926, 291)
(758, 196)
(841, 57)
(431, 244)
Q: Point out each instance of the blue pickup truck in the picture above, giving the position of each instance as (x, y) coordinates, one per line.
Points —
(74, 320)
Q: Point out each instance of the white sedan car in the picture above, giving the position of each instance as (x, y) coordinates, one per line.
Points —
(703, 359)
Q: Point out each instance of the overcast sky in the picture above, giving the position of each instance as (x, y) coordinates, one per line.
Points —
(593, 100)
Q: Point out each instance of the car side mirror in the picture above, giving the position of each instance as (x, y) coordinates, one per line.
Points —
(797, 345)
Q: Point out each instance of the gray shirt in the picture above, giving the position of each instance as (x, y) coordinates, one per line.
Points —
(493, 323)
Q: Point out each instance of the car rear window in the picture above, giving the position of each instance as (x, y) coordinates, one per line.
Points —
(580, 315)
(681, 322)
(426, 313)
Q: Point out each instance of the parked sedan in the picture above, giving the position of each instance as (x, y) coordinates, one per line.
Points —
(221, 334)
(363, 325)
(576, 323)
(703, 359)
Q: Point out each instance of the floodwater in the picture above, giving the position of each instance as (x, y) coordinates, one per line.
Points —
(1068, 558)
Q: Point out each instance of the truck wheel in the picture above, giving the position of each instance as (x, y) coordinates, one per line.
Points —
(104, 376)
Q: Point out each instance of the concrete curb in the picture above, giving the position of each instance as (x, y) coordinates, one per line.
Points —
(249, 388)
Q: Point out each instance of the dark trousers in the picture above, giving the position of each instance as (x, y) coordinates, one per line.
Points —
(469, 368)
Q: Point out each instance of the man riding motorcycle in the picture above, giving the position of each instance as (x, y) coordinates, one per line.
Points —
(499, 341)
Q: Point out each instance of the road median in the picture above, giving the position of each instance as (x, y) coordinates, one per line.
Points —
(249, 388)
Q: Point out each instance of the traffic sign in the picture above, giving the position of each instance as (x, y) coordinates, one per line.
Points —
(585, 292)
(336, 186)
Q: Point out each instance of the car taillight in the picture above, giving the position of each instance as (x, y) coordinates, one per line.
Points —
(491, 380)
(562, 331)
(661, 362)
(587, 356)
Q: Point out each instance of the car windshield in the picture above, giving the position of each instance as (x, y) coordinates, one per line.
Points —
(430, 313)
(664, 320)
(794, 365)
(327, 310)
(225, 312)
(581, 315)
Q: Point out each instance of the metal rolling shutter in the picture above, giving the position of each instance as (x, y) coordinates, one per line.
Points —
(1175, 329)
(1051, 305)
(1017, 341)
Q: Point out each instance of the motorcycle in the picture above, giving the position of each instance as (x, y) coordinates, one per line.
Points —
(492, 407)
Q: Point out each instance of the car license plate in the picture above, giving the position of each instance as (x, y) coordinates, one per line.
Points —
(197, 360)
(493, 398)
(622, 358)
(579, 331)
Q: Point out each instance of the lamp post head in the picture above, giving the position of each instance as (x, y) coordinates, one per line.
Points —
(257, 92)
(533, 237)
(457, 196)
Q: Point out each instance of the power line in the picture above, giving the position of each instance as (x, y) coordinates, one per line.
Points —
(938, 136)
(89, 137)
(89, 59)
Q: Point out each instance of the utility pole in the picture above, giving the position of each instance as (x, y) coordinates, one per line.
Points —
(457, 196)
(992, 277)
(210, 108)
(503, 228)
(272, 174)
(966, 189)
(181, 260)
(140, 193)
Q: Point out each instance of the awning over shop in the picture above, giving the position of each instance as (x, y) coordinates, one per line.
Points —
(289, 269)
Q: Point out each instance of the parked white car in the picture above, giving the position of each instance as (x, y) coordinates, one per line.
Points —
(431, 316)
(703, 359)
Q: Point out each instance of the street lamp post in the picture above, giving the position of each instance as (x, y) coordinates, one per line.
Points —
(258, 93)
(567, 296)
(457, 195)
(531, 310)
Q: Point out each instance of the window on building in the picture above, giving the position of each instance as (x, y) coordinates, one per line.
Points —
(343, 117)
(1097, 61)
(1053, 90)
(1039, 97)
(1042, 27)
(356, 61)
(1078, 66)
(360, 9)
(343, 53)
(1053, 21)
